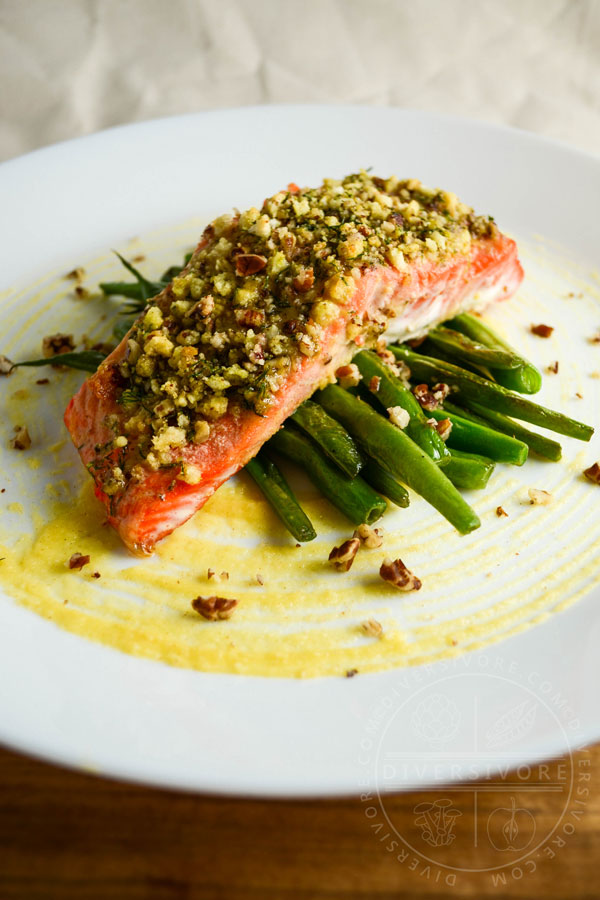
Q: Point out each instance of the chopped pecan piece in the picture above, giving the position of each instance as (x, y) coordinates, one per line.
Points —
(78, 561)
(372, 628)
(370, 537)
(55, 344)
(203, 307)
(348, 376)
(443, 428)
(425, 397)
(81, 292)
(382, 351)
(342, 557)
(77, 274)
(595, 339)
(43, 381)
(213, 608)
(500, 511)
(543, 331)
(593, 473)
(552, 369)
(304, 280)
(6, 365)
(249, 263)
(398, 416)
(396, 574)
(538, 497)
(212, 575)
(351, 673)
(251, 318)
(21, 440)
(374, 384)
(440, 391)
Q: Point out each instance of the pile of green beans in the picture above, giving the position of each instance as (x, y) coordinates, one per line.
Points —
(357, 457)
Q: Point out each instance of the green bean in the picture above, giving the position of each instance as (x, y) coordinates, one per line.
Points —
(469, 471)
(281, 497)
(386, 484)
(525, 379)
(471, 437)
(391, 392)
(333, 440)
(352, 496)
(399, 455)
(463, 349)
(539, 443)
(471, 387)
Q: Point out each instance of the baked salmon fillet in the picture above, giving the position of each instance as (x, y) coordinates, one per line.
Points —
(272, 303)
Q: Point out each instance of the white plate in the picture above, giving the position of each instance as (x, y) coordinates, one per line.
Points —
(85, 705)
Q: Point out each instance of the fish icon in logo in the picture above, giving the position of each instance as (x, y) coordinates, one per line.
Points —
(436, 821)
(512, 725)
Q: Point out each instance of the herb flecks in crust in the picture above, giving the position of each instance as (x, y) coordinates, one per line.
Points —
(254, 302)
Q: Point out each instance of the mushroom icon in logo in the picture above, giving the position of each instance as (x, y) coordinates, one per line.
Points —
(436, 821)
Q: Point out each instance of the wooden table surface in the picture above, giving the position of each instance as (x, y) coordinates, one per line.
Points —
(72, 835)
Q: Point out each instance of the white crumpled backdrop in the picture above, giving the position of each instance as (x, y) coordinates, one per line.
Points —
(71, 67)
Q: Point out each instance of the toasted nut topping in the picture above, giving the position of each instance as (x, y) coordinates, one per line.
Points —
(543, 331)
(351, 673)
(212, 576)
(443, 428)
(372, 628)
(342, 557)
(81, 292)
(374, 383)
(55, 344)
(6, 365)
(259, 578)
(203, 307)
(77, 274)
(21, 440)
(304, 280)
(348, 376)
(538, 497)
(552, 369)
(595, 339)
(78, 561)
(249, 263)
(370, 537)
(440, 391)
(398, 416)
(425, 397)
(593, 473)
(500, 511)
(43, 381)
(396, 574)
(213, 608)
(383, 353)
